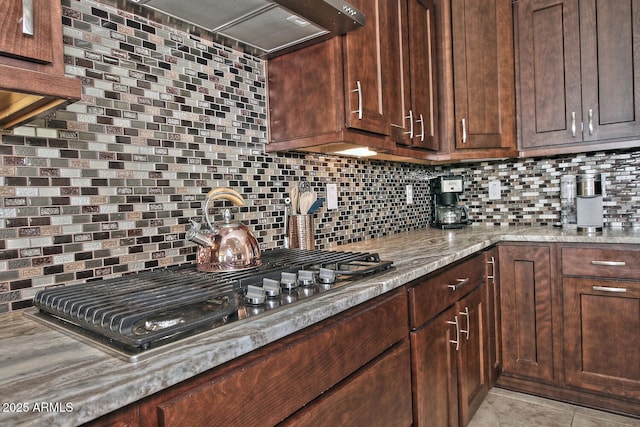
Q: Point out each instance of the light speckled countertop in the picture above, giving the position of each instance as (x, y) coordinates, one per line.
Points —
(49, 379)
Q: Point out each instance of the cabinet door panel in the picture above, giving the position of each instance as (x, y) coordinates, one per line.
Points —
(525, 295)
(365, 54)
(602, 335)
(316, 72)
(549, 72)
(422, 55)
(434, 367)
(483, 73)
(37, 47)
(610, 33)
(473, 373)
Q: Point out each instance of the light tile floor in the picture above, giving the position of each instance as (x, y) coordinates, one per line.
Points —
(504, 408)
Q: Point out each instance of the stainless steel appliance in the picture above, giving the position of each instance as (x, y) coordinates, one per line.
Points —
(266, 27)
(137, 316)
(589, 202)
(447, 212)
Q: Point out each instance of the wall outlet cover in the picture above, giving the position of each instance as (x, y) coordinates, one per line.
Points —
(495, 188)
(332, 196)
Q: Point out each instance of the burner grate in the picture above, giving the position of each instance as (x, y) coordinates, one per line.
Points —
(141, 310)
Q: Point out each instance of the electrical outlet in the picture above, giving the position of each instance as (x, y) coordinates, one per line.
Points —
(409, 194)
(495, 190)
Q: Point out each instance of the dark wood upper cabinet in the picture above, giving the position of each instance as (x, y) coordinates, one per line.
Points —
(578, 74)
(412, 95)
(331, 96)
(477, 94)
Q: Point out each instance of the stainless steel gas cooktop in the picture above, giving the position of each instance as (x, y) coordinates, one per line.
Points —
(143, 314)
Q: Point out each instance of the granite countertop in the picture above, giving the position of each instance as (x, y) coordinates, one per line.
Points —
(49, 379)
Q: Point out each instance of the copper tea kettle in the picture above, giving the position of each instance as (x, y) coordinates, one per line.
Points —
(227, 246)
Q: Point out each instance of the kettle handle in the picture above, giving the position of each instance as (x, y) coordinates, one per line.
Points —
(221, 193)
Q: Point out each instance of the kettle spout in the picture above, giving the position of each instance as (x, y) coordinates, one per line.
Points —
(195, 235)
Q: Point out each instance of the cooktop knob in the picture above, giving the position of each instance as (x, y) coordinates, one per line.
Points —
(255, 295)
(271, 287)
(288, 281)
(305, 278)
(327, 276)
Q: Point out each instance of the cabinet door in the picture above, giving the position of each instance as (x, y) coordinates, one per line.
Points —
(473, 357)
(302, 92)
(525, 300)
(365, 55)
(482, 32)
(602, 335)
(549, 72)
(610, 37)
(423, 113)
(493, 301)
(434, 368)
(14, 42)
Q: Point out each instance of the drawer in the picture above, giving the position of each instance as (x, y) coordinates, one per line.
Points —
(440, 291)
(619, 261)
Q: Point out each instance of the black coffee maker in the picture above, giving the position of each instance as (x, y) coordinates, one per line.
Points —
(447, 213)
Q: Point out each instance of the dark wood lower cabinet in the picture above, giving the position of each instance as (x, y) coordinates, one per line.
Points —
(602, 335)
(473, 357)
(525, 304)
(450, 352)
(570, 317)
(435, 372)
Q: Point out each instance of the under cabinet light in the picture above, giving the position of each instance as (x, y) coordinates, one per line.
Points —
(357, 152)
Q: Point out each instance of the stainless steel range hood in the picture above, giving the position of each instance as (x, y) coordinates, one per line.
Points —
(271, 27)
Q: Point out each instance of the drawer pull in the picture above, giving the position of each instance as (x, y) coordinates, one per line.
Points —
(457, 340)
(609, 263)
(466, 313)
(461, 282)
(609, 289)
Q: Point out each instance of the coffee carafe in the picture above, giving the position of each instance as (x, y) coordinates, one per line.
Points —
(447, 212)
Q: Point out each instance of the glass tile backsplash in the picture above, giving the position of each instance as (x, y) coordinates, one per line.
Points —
(108, 186)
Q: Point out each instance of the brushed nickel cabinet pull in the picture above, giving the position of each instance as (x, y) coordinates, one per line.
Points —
(609, 289)
(590, 122)
(609, 263)
(492, 276)
(27, 17)
(359, 90)
(410, 118)
(573, 123)
(466, 313)
(461, 282)
(464, 131)
(421, 121)
(457, 340)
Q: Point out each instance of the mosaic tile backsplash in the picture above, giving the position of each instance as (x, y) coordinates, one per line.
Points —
(109, 185)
